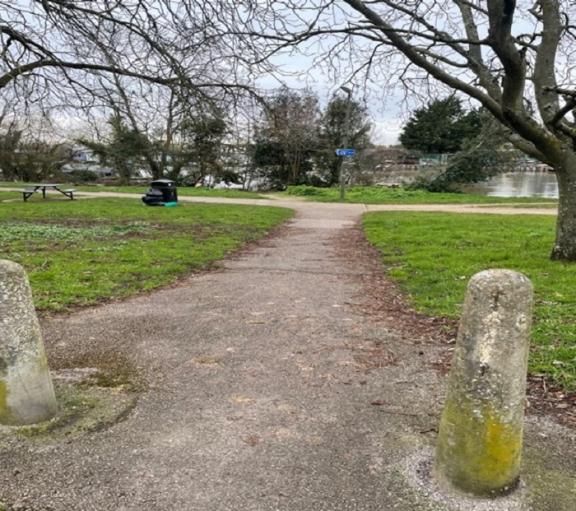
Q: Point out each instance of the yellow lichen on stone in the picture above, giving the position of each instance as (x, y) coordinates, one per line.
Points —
(4, 411)
(480, 436)
(503, 449)
(478, 452)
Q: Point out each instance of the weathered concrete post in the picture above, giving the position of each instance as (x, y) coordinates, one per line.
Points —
(26, 392)
(480, 436)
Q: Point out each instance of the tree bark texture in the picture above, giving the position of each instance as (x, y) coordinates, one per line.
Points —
(565, 243)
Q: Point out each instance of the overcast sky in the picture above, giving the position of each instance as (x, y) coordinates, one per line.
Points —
(298, 72)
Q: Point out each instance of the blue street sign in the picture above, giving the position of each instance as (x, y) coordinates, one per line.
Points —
(345, 152)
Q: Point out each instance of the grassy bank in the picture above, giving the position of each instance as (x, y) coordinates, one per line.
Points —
(384, 195)
(433, 255)
(82, 252)
(187, 191)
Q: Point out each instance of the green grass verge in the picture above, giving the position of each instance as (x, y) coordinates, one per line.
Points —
(433, 255)
(384, 195)
(82, 252)
(186, 191)
(9, 196)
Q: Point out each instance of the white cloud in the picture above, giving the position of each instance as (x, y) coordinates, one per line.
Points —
(386, 131)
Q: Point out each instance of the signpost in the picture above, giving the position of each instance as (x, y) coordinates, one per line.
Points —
(345, 152)
(346, 139)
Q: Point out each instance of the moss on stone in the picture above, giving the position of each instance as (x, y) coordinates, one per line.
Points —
(83, 409)
(113, 370)
(73, 405)
(42, 361)
(4, 410)
(477, 451)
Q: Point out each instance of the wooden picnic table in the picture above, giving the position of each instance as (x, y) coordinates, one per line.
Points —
(42, 187)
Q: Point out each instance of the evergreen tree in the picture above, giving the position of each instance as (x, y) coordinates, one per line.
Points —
(440, 127)
(482, 156)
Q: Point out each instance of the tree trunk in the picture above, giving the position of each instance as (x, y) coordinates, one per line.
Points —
(333, 168)
(295, 170)
(123, 170)
(565, 244)
(155, 169)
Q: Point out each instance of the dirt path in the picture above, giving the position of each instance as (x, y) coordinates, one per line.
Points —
(268, 389)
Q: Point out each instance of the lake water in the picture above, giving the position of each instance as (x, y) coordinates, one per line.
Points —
(519, 184)
(512, 184)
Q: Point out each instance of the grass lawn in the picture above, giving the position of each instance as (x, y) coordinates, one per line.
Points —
(185, 191)
(384, 195)
(82, 252)
(9, 196)
(141, 189)
(433, 255)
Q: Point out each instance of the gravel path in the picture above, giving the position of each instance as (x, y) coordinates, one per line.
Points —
(268, 389)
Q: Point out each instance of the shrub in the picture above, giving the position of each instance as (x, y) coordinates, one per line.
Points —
(83, 176)
(303, 190)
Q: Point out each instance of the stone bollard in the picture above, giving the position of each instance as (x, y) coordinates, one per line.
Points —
(480, 436)
(26, 392)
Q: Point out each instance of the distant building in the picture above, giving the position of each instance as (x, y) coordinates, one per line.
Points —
(385, 157)
(83, 159)
(434, 159)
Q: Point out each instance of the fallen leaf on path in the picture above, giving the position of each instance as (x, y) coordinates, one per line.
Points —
(378, 402)
(207, 361)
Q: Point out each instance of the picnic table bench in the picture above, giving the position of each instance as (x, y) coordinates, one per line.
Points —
(42, 187)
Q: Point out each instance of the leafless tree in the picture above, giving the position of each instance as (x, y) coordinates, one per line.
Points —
(288, 135)
(516, 58)
(149, 60)
(49, 47)
(155, 113)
